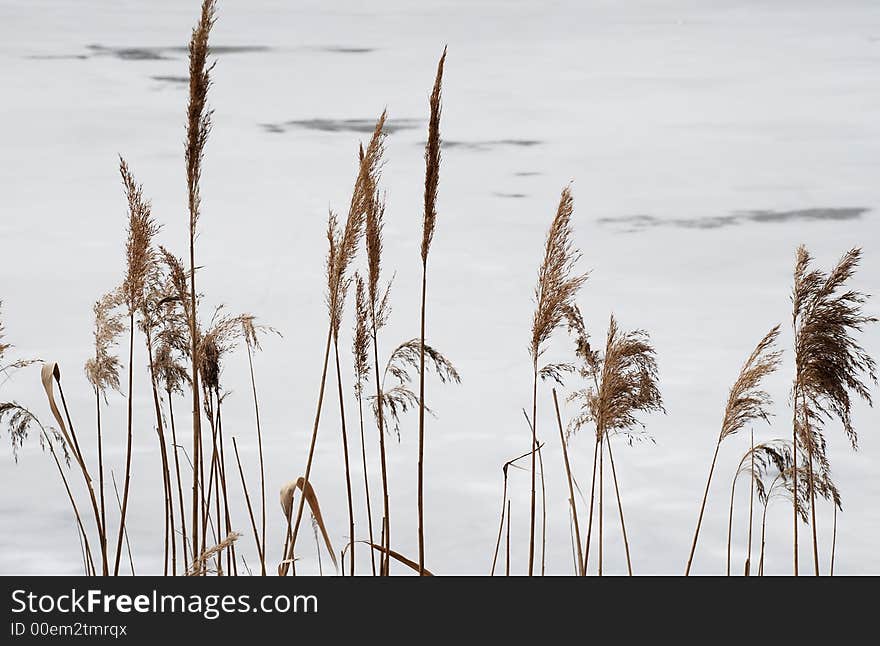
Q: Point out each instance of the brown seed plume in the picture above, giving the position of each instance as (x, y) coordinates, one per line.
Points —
(831, 365)
(102, 370)
(627, 385)
(139, 252)
(361, 341)
(747, 401)
(557, 285)
(432, 162)
(198, 115)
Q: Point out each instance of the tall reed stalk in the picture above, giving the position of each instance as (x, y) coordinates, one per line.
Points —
(338, 262)
(252, 343)
(746, 403)
(625, 383)
(140, 260)
(102, 371)
(830, 365)
(432, 177)
(555, 292)
(198, 126)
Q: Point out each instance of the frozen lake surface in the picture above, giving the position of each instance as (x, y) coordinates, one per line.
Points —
(704, 142)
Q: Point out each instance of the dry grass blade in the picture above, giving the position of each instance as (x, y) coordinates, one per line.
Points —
(400, 558)
(287, 496)
(50, 373)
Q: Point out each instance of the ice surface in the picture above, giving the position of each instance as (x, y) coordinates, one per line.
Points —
(704, 141)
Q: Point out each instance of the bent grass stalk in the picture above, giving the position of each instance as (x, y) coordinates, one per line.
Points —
(746, 403)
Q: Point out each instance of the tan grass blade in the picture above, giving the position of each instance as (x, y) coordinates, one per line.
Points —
(397, 556)
(287, 494)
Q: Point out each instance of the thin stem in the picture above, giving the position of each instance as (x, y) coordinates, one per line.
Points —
(601, 495)
(103, 534)
(88, 479)
(763, 538)
(79, 523)
(345, 453)
(177, 476)
(124, 529)
(262, 466)
(543, 512)
(125, 486)
(170, 534)
(833, 540)
(198, 479)
(501, 524)
(574, 557)
(422, 423)
(247, 498)
(794, 470)
(702, 509)
(381, 423)
(577, 531)
(751, 504)
(592, 501)
(507, 563)
(302, 499)
(534, 451)
(366, 476)
(231, 561)
(620, 509)
(812, 504)
(730, 522)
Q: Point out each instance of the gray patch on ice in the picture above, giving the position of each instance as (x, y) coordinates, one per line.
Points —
(527, 173)
(842, 213)
(341, 49)
(485, 146)
(631, 223)
(130, 53)
(165, 53)
(57, 57)
(342, 125)
(510, 195)
(171, 79)
(226, 49)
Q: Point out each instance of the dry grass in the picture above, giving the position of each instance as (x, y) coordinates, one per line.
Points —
(617, 385)
(555, 294)
(830, 365)
(432, 180)
(747, 403)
